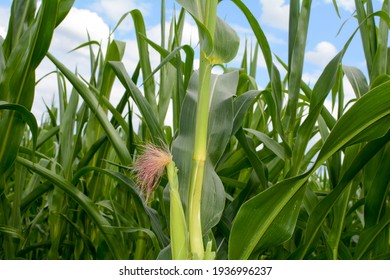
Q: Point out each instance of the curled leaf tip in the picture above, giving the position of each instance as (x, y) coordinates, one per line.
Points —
(149, 167)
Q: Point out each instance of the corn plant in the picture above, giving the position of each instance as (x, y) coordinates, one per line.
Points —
(243, 172)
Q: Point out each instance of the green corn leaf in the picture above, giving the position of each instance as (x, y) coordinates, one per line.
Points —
(66, 135)
(25, 45)
(319, 214)
(148, 232)
(84, 237)
(297, 43)
(257, 164)
(144, 58)
(136, 194)
(336, 7)
(339, 210)
(64, 7)
(274, 210)
(221, 114)
(206, 39)
(2, 58)
(26, 116)
(86, 204)
(226, 43)
(145, 108)
(269, 143)
(276, 97)
(219, 127)
(220, 46)
(115, 52)
(172, 57)
(357, 80)
(367, 110)
(375, 200)
(92, 102)
(241, 106)
(35, 194)
(22, 16)
(369, 235)
(11, 231)
(380, 58)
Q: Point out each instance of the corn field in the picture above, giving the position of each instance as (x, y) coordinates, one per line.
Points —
(241, 171)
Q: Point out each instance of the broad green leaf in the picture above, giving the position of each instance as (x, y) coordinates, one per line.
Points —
(372, 132)
(115, 52)
(241, 106)
(64, 7)
(196, 11)
(319, 214)
(375, 199)
(25, 45)
(257, 164)
(219, 127)
(273, 210)
(226, 43)
(270, 143)
(369, 109)
(66, 136)
(220, 124)
(220, 46)
(382, 37)
(22, 16)
(320, 91)
(356, 79)
(27, 117)
(243, 239)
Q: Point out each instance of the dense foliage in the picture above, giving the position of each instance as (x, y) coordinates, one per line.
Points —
(273, 174)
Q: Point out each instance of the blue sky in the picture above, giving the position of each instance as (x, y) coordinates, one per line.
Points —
(100, 16)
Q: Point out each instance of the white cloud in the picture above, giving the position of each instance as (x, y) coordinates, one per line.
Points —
(348, 5)
(71, 33)
(275, 13)
(2, 31)
(4, 17)
(114, 9)
(190, 34)
(349, 93)
(310, 78)
(322, 54)
(75, 27)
